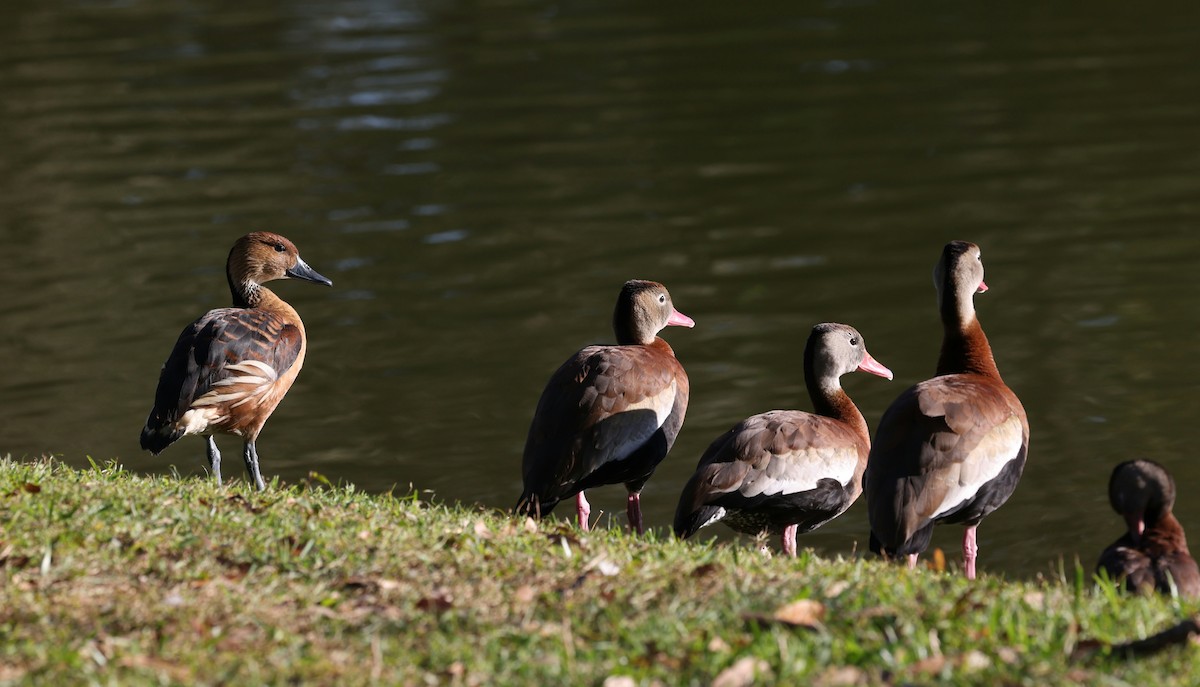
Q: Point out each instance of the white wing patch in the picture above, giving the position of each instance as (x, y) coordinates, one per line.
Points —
(983, 465)
(720, 513)
(661, 403)
(802, 472)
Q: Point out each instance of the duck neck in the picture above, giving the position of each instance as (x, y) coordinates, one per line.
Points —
(1165, 535)
(831, 400)
(965, 348)
(629, 329)
(252, 295)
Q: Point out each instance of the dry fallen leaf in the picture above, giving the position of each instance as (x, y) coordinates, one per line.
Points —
(929, 666)
(842, 676)
(937, 561)
(802, 613)
(619, 681)
(603, 566)
(524, 594)
(440, 600)
(834, 590)
(742, 673)
(975, 660)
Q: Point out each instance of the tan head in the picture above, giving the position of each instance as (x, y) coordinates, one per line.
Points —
(261, 256)
(836, 349)
(1142, 491)
(643, 309)
(958, 276)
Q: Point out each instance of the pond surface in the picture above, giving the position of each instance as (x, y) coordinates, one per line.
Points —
(479, 178)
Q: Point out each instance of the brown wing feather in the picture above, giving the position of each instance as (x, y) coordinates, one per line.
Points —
(778, 453)
(939, 438)
(207, 347)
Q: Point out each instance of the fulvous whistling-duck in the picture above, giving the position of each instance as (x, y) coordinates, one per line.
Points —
(231, 368)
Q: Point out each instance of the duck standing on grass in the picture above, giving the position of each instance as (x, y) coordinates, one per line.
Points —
(952, 448)
(1153, 554)
(787, 471)
(231, 368)
(609, 414)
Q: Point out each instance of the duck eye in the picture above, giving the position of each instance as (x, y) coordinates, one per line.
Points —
(662, 298)
(853, 341)
(279, 248)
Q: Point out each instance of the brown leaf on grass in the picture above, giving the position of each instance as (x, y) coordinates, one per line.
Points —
(7, 560)
(805, 613)
(974, 661)
(1007, 654)
(237, 569)
(440, 600)
(705, 569)
(239, 500)
(356, 584)
(936, 561)
(172, 671)
(835, 590)
(841, 676)
(31, 488)
(743, 673)
(929, 666)
(524, 595)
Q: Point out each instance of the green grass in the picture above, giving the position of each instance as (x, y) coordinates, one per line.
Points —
(115, 578)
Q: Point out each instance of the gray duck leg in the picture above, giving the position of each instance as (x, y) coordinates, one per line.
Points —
(251, 456)
(214, 459)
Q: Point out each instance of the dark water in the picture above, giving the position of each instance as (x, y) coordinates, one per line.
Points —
(478, 179)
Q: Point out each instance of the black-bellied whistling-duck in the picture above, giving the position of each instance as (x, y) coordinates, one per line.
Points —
(1153, 554)
(609, 414)
(950, 449)
(787, 471)
(231, 367)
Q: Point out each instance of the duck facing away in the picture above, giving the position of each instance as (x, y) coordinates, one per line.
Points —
(231, 368)
(952, 448)
(609, 414)
(787, 471)
(1153, 554)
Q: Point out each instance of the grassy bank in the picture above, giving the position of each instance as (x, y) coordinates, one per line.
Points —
(109, 577)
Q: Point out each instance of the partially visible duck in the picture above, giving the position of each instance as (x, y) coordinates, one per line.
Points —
(788, 471)
(1153, 554)
(231, 368)
(952, 448)
(609, 414)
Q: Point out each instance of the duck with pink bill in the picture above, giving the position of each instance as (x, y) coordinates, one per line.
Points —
(787, 471)
(609, 414)
(1153, 553)
(952, 448)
